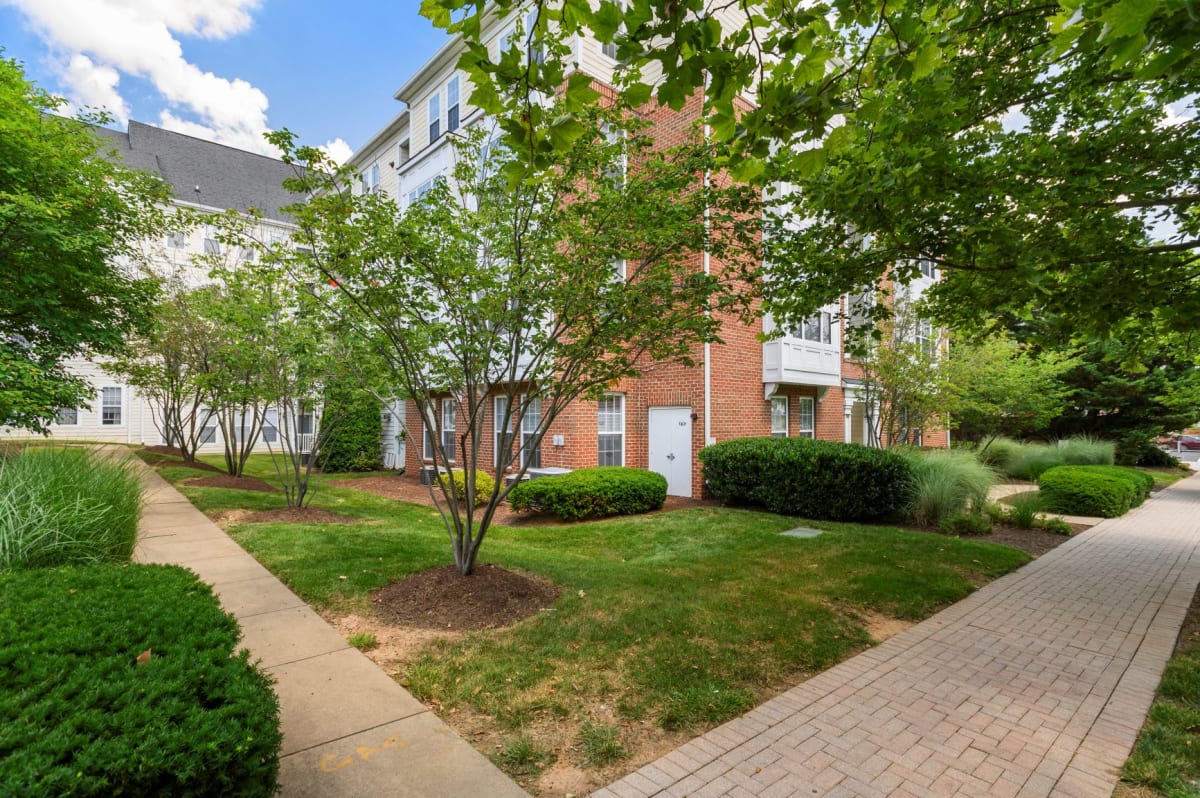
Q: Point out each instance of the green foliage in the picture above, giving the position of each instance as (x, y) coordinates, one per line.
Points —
(80, 716)
(601, 744)
(1024, 511)
(69, 215)
(809, 478)
(61, 506)
(1138, 449)
(1031, 460)
(484, 485)
(974, 523)
(522, 756)
(1056, 525)
(945, 482)
(354, 444)
(592, 493)
(363, 641)
(1105, 491)
(999, 452)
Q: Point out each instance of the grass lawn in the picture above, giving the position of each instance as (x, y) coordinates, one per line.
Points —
(677, 620)
(1166, 758)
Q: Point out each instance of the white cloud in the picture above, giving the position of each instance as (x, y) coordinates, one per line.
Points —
(93, 86)
(338, 150)
(138, 37)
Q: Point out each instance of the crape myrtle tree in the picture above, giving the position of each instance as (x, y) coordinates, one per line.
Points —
(72, 224)
(166, 363)
(525, 284)
(1044, 154)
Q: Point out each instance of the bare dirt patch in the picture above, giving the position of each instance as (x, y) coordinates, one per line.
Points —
(295, 515)
(159, 456)
(442, 598)
(881, 627)
(226, 481)
(394, 644)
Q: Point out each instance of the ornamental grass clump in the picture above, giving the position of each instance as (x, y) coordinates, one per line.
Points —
(946, 483)
(64, 506)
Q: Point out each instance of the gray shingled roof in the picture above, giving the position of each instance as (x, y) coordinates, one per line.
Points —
(205, 173)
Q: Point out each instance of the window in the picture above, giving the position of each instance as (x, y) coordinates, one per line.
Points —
(110, 406)
(428, 419)
(616, 170)
(211, 245)
(927, 268)
(611, 424)
(908, 431)
(435, 117)
(403, 153)
(449, 408)
(609, 49)
(67, 417)
(208, 433)
(620, 270)
(248, 254)
(925, 337)
(420, 191)
(817, 328)
(177, 240)
(452, 107)
(370, 179)
(503, 435)
(531, 419)
(807, 427)
(530, 46)
(270, 427)
(779, 416)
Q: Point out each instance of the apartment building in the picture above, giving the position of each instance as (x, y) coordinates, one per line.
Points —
(801, 383)
(204, 177)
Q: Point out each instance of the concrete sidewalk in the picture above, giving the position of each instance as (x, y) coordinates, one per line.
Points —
(348, 729)
(1035, 685)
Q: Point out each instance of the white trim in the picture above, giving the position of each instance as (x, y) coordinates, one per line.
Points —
(620, 416)
(777, 432)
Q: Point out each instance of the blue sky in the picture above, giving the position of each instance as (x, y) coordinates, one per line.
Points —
(226, 70)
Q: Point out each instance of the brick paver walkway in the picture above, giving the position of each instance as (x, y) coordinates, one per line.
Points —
(1035, 685)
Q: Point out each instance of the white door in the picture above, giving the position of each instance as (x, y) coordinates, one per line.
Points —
(671, 447)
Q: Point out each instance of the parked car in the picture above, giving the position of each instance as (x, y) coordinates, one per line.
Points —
(1188, 443)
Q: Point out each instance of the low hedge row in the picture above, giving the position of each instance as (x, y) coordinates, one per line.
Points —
(592, 493)
(1104, 491)
(80, 715)
(809, 478)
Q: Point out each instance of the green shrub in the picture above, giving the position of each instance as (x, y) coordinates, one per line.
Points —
(354, 440)
(1024, 510)
(1105, 491)
(809, 478)
(80, 716)
(966, 524)
(1139, 449)
(1055, 525)
(61, 506)
(1086, 450)
(945, 483)
(592, 493)
(484, 485)
(1033, 460)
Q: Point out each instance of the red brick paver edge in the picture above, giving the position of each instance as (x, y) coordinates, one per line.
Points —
(1035, 685)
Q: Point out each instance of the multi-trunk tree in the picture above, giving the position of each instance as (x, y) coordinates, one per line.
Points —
(518, 286)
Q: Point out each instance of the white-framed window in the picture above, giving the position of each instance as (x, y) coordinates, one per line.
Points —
(449, 409)
(177, 240)
(110, 406)
(403, 152)
(925, 337)
(779, 416)
(531, 419)
(420, 191)
(616, 171)
(611, 430)
(620, 270)
(609, 49)
(428, 419)
(211, 245)
(270, 427)
(927, 268)
(435, 116)
(503, 441)
(370, 179)
(453, 108)
(67, 417)
(807, 408)
(817, 328)
(208, 433)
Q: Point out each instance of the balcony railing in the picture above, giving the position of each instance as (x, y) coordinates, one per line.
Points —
(794, 361)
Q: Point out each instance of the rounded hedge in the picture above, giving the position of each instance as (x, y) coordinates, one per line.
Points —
(484, 485)
(81, 716)
(592, 493)
(809, 478)
(1104, 491)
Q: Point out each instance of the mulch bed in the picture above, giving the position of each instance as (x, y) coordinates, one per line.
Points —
(409, 489)
(293, 515)
(226, 481)
(442, 598)
(165, 459)
(1034, 541)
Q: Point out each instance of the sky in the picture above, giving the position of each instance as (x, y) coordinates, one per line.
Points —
(226, 70)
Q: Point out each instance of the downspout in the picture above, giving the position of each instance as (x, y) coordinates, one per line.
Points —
(708, 436)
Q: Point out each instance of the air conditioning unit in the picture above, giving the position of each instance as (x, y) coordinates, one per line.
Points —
(429, 474)
(552, 471)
